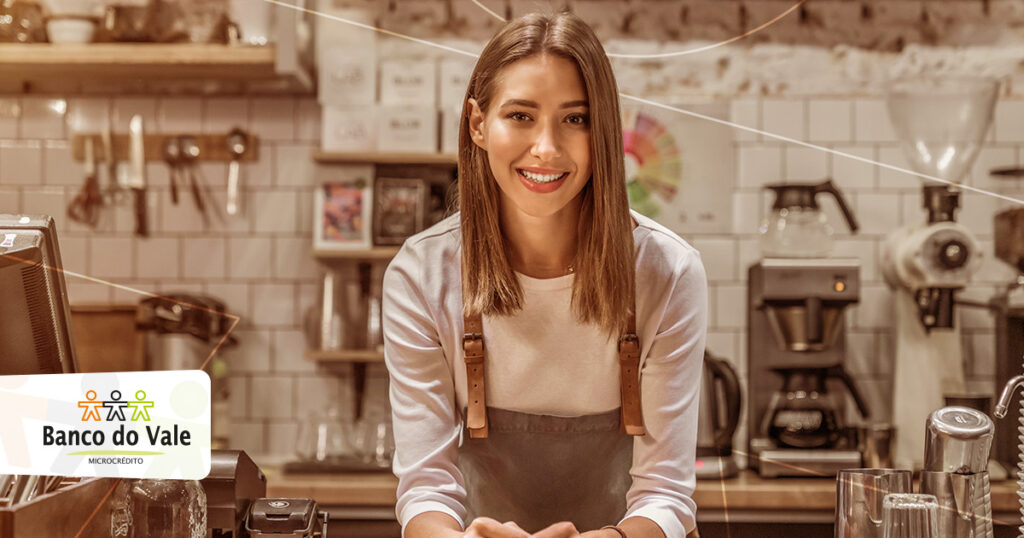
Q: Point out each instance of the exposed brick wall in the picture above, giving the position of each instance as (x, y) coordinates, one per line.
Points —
(883, 25)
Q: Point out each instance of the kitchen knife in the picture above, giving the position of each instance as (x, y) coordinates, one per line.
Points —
(113, 189)
(137, 176)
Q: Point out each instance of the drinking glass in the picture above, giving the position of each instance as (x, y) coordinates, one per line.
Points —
(384, 443)
(910, 515)
(325, 437)
(376, 440)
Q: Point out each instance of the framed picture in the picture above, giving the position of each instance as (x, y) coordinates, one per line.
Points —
(680, 169)
(342, 211)
(399, 209)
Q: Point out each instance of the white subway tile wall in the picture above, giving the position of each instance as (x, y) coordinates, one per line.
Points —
(126, 107)
(829, 120)
(42, 117)
(805, 164)
(784, 117)
(10, 112)
(260, 262)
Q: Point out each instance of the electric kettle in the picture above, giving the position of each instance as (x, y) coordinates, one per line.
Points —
(720, 403)
(796, 227)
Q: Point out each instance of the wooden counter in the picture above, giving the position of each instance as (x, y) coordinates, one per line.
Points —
(743, 498)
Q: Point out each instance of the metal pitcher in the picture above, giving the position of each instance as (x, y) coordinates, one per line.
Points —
(859, 496)
(965, 505)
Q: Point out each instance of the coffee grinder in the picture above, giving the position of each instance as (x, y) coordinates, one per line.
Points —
(941, 123)
(796, 347)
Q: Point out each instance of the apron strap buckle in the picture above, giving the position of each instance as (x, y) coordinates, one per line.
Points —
(473, 346)
(629, 344)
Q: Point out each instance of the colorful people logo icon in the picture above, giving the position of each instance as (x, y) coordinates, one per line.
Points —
(115, 406)
(91, 406)
(140, 406)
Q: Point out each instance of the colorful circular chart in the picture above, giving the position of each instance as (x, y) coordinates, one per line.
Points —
(653, 165)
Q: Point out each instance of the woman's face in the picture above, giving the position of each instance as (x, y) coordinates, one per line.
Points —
(537, 135)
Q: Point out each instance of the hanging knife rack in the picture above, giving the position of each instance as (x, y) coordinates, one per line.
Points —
(212, 147)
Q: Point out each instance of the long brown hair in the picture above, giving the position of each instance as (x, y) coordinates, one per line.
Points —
(602, 290)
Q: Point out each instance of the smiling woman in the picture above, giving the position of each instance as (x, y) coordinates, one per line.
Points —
(539, 142)
(584, 306)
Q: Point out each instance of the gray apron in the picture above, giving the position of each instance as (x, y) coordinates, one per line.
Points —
(538, 470)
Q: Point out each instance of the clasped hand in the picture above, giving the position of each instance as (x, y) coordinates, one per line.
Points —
(485, 527)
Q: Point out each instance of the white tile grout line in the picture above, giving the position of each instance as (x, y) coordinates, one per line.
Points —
(669, 107)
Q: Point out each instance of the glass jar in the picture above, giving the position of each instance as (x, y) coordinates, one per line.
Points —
(22, 21)
(145, 508)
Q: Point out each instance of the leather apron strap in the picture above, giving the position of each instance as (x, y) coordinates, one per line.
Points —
(473, 346)
(632, 421)
(629, 380)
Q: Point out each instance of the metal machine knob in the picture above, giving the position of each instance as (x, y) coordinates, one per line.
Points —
(953, 254)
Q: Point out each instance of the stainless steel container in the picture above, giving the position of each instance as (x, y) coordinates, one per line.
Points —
(859, 496)
(957, 440)
(965, 506)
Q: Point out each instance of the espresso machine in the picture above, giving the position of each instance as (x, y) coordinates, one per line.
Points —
(796, 381)
(1008, 307)
(941, 123)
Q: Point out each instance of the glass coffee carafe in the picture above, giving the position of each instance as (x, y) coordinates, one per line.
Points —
(803, 413)
(796, 227)
(158, 509)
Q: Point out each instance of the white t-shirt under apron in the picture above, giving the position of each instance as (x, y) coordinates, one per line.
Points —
(560, 368)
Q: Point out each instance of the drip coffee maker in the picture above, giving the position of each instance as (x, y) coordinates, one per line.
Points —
(941, 123)
(796, 383)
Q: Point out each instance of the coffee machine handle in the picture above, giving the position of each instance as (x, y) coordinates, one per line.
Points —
(839, 372)
(831, 188)
(721, 369)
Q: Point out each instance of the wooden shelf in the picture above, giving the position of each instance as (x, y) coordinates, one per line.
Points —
(375, 253)
(344, 355)
(385, 158)
(101, 66)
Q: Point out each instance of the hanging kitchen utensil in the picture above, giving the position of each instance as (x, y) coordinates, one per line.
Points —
(238, 144)
(137, 175)
(172, 156)
(113, 194)
(190, 155)
(85, 207)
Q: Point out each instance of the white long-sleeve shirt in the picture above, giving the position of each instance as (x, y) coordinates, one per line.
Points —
(423, 324)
